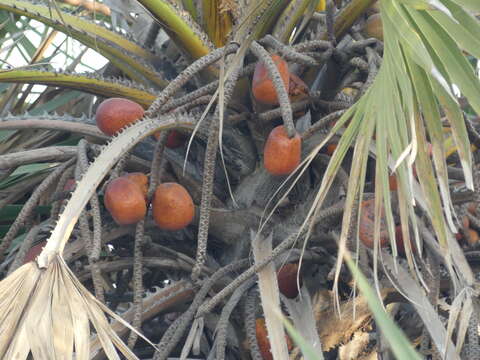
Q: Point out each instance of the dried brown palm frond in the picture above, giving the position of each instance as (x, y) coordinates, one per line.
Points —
(48, 313)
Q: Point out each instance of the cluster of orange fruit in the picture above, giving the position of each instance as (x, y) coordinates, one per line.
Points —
(281, 154)
(126, 196)
(173, 209)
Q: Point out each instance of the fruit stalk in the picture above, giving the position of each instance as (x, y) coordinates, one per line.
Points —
(208, 174)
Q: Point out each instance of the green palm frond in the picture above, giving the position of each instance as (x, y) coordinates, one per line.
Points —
(84, 82)
(402, 108)
(180, 26)
(124, 53)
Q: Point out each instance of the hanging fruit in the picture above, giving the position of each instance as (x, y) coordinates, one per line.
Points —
(140, 179)
(115, 113)
(173, 207)
(367, 223)
(263, 342)
(287, 280)
(125, 201)
(281, 154)
(175, 139)
(262, 86)
(373, 27)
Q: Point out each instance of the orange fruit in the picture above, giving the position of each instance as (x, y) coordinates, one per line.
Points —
(173, 207)
(281, 154)
(287, 280)
(140, 179)
(115, 113)
(297, 90)
(175, 139)
(125, 201)
(367, 223)
(374, 27)
(264, 343)
(262, 86)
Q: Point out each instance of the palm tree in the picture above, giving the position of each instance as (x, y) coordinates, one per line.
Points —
(384, 124)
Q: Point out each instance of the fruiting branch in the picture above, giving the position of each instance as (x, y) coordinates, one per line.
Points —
(96, 172)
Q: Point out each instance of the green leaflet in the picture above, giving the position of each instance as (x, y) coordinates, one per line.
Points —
(466, 31)
(89, 84)
(473, 5)
(455, 63)
(43, 14)
(266, 12)
(406, 34)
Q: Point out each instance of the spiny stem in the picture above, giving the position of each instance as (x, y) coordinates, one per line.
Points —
(137, 282)
(279, 249)
(139, 242)
(205, 90)
(472, 348)
(359, 63)
(222, 325)
(202, 100)
(208, 177)
(186, 75)
(250, 325)
(92, 243)
(287, 52)
(155, 167)
(67, 174)
(372, 73)
(313, 45)
(120, 145)
(207, 190)
(175, 331)
(322, 123)
(214, 301)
